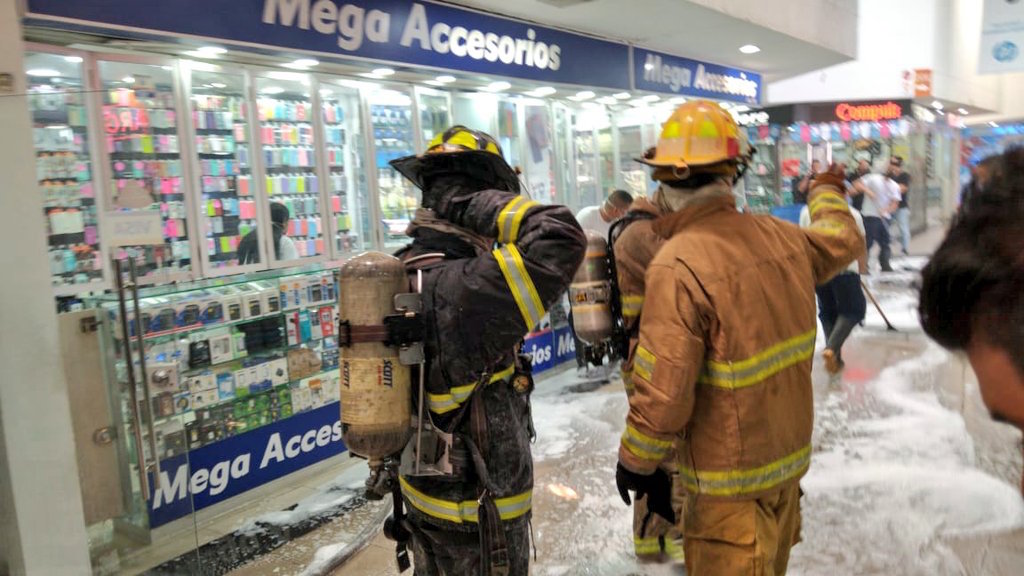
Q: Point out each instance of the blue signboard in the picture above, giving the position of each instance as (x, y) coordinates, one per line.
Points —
(218, 471)
(417, 33)
(656, 72)
(549, 348)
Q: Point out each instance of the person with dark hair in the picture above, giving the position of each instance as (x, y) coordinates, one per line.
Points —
(972, 290)
(284, 247)
(600, 218)
(981, 173)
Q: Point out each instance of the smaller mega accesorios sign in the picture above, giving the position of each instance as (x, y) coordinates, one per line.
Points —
(676, 75)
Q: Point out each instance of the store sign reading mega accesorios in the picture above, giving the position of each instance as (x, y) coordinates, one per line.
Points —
(675, 75)
(418, 33)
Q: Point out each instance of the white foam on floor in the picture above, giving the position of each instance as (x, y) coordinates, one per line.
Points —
(324, 557)
(884, 490)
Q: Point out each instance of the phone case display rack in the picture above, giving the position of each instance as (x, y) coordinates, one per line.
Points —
(146, 168)
(336, 142)
(760, 180)
(64, 175)
(225, 173)
(289, 157)
(220, 361)
(393, 137)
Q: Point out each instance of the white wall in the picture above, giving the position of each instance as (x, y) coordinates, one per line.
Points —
(42, 529)
(819, 22)
(892, 36)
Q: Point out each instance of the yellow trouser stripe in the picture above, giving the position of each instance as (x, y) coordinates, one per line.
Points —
(643, 363)
(737, 482)
(443, 403)
(762, 365)
(511, 217)
(520, 283)
(653, 545)
(466, 511)
(643, 446)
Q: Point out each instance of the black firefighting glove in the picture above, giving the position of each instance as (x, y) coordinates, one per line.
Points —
(657, 487)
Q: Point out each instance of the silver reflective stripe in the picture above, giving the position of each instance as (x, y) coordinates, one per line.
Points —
(520, 284)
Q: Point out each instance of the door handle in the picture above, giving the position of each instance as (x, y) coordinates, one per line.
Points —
(126, 344)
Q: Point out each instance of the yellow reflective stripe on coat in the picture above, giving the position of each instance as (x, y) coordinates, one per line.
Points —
(511, 217)
(466, 511)
(519, 282)
(739, 482)
(632, 305)
(760, 366)
(643, 446)
(828, 200)
(443, 403)
(643, 363)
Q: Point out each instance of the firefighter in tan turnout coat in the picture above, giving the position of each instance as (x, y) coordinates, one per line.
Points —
(722, 366)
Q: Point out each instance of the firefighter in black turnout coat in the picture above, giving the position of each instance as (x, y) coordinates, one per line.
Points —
(499, 260)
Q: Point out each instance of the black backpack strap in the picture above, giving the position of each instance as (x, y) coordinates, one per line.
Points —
(620, 338)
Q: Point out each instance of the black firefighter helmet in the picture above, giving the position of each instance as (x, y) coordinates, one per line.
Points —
(460, 151)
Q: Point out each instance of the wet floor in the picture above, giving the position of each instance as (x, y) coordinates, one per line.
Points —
(909, 475)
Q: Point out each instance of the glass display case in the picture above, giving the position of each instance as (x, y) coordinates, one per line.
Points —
(393, 137)
(64, 170)
(288, 153)
(196, 374)
(226, 197)
(587, 153)
(435, 113)
(509, 133)
(144, 168)
(760, 181)
(539, 163)
(346, 169)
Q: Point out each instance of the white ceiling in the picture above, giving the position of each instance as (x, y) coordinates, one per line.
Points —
(679, 27)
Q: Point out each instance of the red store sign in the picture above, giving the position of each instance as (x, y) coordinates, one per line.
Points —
(848, 112)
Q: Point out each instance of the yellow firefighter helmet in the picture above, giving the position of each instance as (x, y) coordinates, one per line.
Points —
(698, 134)
(460, 150)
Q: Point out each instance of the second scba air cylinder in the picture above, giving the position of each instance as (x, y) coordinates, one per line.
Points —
(590, 293)
(376, 401)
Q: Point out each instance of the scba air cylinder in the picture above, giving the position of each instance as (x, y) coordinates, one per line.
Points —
(590, 294)
(375, 387)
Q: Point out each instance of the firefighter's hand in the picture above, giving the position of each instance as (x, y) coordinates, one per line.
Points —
(657, 487)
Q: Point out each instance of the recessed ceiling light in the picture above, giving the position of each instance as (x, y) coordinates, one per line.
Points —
(359, 84)
(677, 101)
(128, 80)
(370, 75)
(741, 108)
(73, 59)
(651, 98)
(302, 63)
(581, 96)
(169, 68)
(214, 50)
(542, 91)
(43, 72)
(218, 85)
(198, 54)
(607, 100)
(383, 71)
(433, 83)
(724, 105)
(622, 96)
(200, 66)
(749, 49)
(272, 90)
(498, 86)
(446, 79)
(290, 76)
(937, 105)
(994, 124)
(962, 111)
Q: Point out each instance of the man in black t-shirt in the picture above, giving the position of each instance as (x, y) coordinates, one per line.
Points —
(902, 219)
(863, 168)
